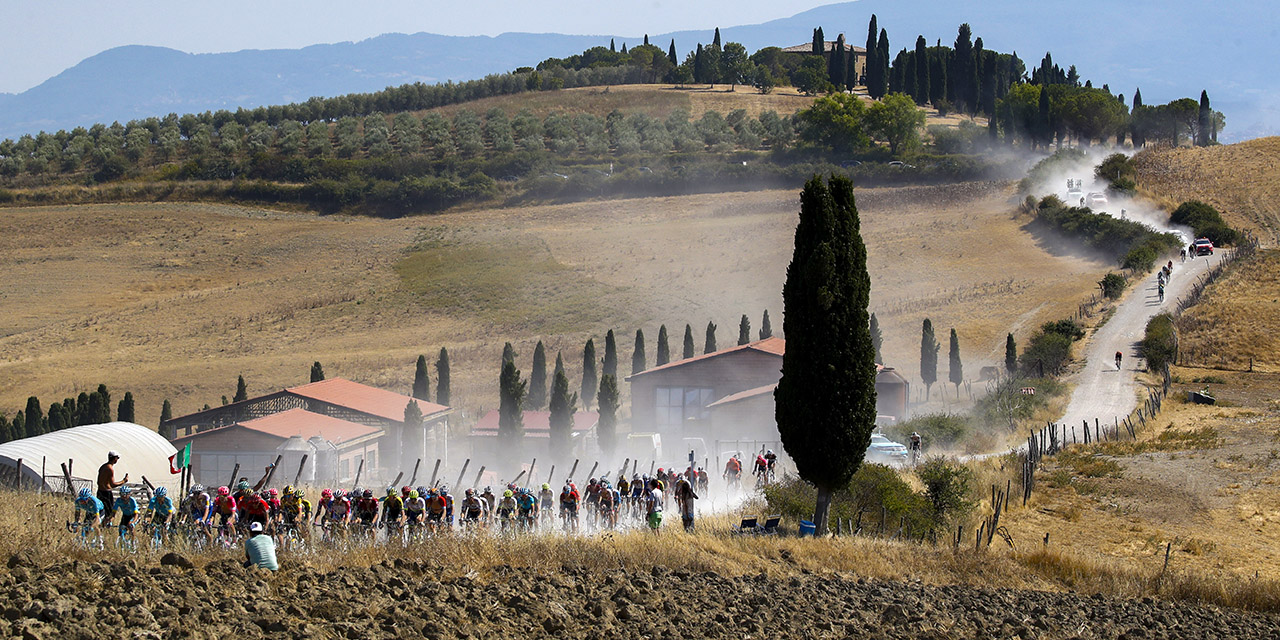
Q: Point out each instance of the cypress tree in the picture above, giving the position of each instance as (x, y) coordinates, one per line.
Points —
(69, 410)
(610, 367)
(537, 398)
(873, 55)
(715, 41)
(922, 71)
(84, 414)
(563, 406)
(57, 418)
(961, 71)
(611, 47)
(104, 410)
(929, 348)
(624, 48)
(94, 412)
(699, 65)
(819, 42)
(508, 353)
(937, 74)
(34, 418)
(1137, 133)
(744, 330)
(904, 72)
(955, 370)
(18, 428)
(975, 73)
(124, 413)
(838, 67)
(421, 380)
(317, 372)
(414, 437)
(1010, 355)
(559, 368)
(671, 54)
(688, 342)
(710, 345)
(5, 436)
(766, 328)
(664, 347)
(444, 391)
(607, 426)
(166, 411)
(242, 390)
(1204, 120)
(882, 73)
(876, 338)
(511, 391)
(638, 356)
(646, 39)
(590, 379)
(825, 403)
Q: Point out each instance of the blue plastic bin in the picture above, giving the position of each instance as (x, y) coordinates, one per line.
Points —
(807, 528)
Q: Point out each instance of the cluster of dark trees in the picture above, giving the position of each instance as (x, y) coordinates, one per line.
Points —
(87, 408)
(599, 385)
(929, 349)
(1134, 245)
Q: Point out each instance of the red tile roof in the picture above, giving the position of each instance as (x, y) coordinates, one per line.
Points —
(537, 424)
(364, 398)
(300, 422)
(771, 346)
(743, 395)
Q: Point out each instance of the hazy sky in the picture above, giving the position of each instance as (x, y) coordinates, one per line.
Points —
(44, 37)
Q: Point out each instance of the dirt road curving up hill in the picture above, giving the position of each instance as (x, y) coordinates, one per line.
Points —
(1102, 391)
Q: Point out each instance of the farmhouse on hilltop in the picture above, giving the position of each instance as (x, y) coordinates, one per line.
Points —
(337, 423)
(857, 56)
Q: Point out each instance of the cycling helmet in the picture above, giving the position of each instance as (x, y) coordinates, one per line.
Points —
(273, 493)
(591, 481)
(355, 493)
(506, 494)
(299, 493)
(406, 490)
(243, 485)
(471, 492)
(444, 490)
(326, 494)
(488, 490)
(368, 493)
(391, 491)
(566, 489)
(124, 491)
(224, 491)
(546, 485)
(84, 493)
(339, 494)
(161, 492)
(413, 494)
(432, 491)
(422, 491)
(288, 489)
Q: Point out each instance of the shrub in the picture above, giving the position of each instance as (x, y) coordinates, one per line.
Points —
(1133, 243)
(1045, 352)
(1205, 221)
(1159, 345)
(874, 490)
(1113, 285)
(1066, 327)
(947, 488)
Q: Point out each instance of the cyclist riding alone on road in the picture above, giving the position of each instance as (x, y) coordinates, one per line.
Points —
(915, 447)
(732, 470)
(1118, 357)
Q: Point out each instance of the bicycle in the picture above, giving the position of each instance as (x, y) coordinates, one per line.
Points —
(87, 535)
(158, 533)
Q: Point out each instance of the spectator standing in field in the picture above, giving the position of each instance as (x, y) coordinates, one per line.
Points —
(653, 505)
(260, 549)
(107, 484)
(685, 497)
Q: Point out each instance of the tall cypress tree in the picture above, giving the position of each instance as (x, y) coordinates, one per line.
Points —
(882, 73)
(537, 398)
(559, 368)
(938, 60)
(744, 330)
(638, 356)
(876, 338)
(837, 68)
(929, 348)
(873, 55)
(766, 328)
(92, 415)
(589, 377)
(664, 348)
(1010, 355)
(671, 54)
(611, 47)
(125, 412)
(444, 391)
(715, 41)
(688, 342)
(1204, 120)
(421, 380)
(961, 69)
(166, 411)
(610, 367)
(508, 353)
(33, 418)
(922, 71)
(57, 418)
(607, 425)
(955, 370)
(317, 371)
(242, 390)
(104, 409)
(819, 43)
(84, 414)
(563, 406)
(710, 345)
(975, 75)
(511, 391)
(1136, 130)
(825, 402)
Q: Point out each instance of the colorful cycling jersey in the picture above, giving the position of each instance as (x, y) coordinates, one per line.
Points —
(526, 502)
(161, 506)
(255, 506)
(367, 507)
(290, 504)
(91, 505)
(392, 506)
(569, 501)
(126, 506)
(338, 508)
(548, 498)
(225, 505)
(507, 506)
(436, 504)
(473, 506)
(200, 506)
(415, 505)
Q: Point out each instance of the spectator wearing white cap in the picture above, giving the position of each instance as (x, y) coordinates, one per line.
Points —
(260, 549)
(106, 484)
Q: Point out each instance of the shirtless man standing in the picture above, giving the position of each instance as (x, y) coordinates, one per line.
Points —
(107, 483)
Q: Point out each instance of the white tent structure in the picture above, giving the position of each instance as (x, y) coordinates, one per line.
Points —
(143, 452)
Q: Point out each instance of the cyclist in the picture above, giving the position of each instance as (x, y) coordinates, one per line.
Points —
(526, 505)
(436, 504)
(607, 503)
(200, 508)
(488, 496)
(547, 501)
(771, 461)
(704, 480)
(637, 490)
(272, 496)
(254, 508)
(290, 507)
(732, 471)
(569, 507)
(448, 505)
(128, 508)
(392, 510)
(761, 467)
(89, 505)
(415, 509)
(915, 447)
(472, 508)
(1160, 290)
(161, 509)
(366, 508)
(334, 507)
(1118, 357)
(225, 507)
(506, 508)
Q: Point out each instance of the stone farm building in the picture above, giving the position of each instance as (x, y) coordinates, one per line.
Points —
(727, 396)
(857, 56)
(338, 424)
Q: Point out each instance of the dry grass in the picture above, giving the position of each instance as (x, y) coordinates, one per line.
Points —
(656, 100)
(1242, 180)
(1238, 320)
(176, 300)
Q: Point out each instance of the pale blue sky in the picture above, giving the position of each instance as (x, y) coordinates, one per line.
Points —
(43, 37)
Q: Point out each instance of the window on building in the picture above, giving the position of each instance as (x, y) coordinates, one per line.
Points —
(675, 406)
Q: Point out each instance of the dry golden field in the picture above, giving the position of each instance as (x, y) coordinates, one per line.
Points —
(175, 300)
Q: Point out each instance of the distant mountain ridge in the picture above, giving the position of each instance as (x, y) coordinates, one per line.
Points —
(1151, 43)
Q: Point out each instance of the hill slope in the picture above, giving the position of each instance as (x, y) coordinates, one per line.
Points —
(1126, 49)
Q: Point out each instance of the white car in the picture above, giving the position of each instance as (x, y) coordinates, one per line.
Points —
(1095, 199)
(883, 450)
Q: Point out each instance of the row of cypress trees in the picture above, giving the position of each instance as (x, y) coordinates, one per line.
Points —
(87, 408)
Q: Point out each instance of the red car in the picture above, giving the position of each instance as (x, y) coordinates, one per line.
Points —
(1203, 247)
